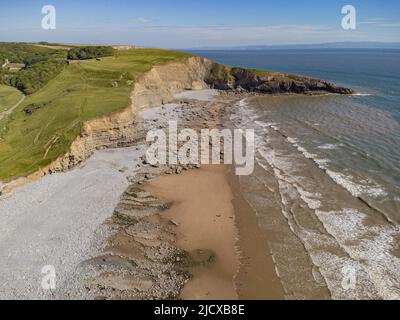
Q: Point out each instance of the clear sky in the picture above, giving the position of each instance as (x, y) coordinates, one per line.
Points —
(190, 23)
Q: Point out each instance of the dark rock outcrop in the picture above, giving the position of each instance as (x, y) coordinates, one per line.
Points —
(225, 78)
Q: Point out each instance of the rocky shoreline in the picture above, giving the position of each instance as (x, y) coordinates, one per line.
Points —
(159, 86)
(247, 80)
(135, 255)
(140, 258)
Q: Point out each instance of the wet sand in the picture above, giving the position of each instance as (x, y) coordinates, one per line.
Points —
(208, 218)
(204, 217)
(257, 278)
(211, 217)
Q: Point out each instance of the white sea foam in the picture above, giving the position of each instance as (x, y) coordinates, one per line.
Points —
(295, 144)
(275, 160)
(309, 198)
(359, 94)
(371, 245)
(330, 265)
(284, 169)
(243, 117)
(328, 146)
(275, 127)
(266, 124)
(292, 140)
(346, 181)
(322, 163)
(356, 189)
(366, 249)
(307, 154)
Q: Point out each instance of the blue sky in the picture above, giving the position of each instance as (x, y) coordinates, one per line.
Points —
(189, 23)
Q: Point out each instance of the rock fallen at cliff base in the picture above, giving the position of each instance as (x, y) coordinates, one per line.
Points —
(139, 258)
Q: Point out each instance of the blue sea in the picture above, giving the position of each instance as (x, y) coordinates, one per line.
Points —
(329, 167)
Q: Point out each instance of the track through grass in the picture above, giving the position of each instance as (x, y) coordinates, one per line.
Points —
(9, 96)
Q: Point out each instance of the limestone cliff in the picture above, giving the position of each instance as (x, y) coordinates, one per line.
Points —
(154, 88)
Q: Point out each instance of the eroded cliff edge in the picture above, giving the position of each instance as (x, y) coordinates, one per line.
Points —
(158, 86)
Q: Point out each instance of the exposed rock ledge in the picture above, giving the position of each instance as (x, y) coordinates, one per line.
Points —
(159, 86)
(227, 78)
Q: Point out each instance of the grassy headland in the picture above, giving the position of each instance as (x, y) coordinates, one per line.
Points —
(63, 94)
(43, 127)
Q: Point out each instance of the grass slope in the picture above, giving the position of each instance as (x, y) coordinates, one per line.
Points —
(82, 91)
(9, 96)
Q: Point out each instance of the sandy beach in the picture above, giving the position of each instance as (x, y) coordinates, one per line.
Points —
(167, 235)
(175, 153)
(141, 231)
(117, 227)
(203, 212)
(211, 218)
(257, 277)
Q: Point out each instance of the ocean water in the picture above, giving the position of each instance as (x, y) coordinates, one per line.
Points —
(328, 169)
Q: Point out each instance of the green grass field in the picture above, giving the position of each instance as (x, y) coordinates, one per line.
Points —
(9, 96)
(82, 91)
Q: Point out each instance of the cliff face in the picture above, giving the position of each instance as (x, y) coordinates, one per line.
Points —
(159, 86)
(121, 129)
(226, 78)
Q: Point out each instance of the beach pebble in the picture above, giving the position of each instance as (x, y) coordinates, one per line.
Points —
(178, 170)
(173, 222)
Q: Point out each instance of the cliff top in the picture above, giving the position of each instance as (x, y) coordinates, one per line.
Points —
(43, 127)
